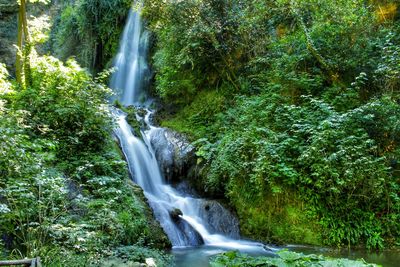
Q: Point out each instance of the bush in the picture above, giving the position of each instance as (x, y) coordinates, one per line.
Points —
(331, 159)
(66, 105)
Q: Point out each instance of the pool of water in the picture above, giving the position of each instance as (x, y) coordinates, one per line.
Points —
(200, 256)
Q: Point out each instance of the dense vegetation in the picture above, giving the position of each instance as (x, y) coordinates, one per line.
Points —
(294, 109)
(65, 192)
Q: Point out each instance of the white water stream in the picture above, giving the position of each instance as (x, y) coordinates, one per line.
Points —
(189, 226)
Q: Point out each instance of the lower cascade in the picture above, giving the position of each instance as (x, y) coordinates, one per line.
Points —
(187, 220)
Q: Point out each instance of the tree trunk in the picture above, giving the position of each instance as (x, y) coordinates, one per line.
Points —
(23, 66)
(27, 48)
(18, 63)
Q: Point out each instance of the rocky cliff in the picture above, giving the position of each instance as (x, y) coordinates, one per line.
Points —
(8, 31)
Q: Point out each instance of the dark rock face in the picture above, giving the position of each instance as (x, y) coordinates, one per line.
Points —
(174, 153)
(74, 190)
(157, 232)
(8, 31)
(175, 213)
(177, 159)
(186, 189)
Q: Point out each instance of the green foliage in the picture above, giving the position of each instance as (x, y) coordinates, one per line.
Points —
(388, 70)
(131, 117)
(285, 259)
(200, 113)
(5, 85)
(66, 105)
(293, 109)
(206, 49)
(65, 193)
(330, 158)
(220, 42)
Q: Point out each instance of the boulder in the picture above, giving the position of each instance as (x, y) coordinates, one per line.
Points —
(192, 237)
(173, 151)
(8, 32)
(175, 213)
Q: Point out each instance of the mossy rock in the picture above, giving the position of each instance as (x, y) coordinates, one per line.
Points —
(131, 118)
(157, 234)
(279, 219)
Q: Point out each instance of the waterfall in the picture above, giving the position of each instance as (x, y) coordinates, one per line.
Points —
(132, 69)
(184, 218)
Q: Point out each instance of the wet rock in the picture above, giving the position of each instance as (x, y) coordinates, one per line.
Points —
(175, 213)
(174, 153)
(156, 229)
(186, 189)
(192, 237)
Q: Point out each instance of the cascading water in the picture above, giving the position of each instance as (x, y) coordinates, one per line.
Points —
(182, 217)
(132, 69)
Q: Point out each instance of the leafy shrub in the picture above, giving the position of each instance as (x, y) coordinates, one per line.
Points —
(66, 105)
(140, 254)
(328, 157)
(64, 188)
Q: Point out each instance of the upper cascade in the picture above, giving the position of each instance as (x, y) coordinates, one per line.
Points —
(132, 71)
